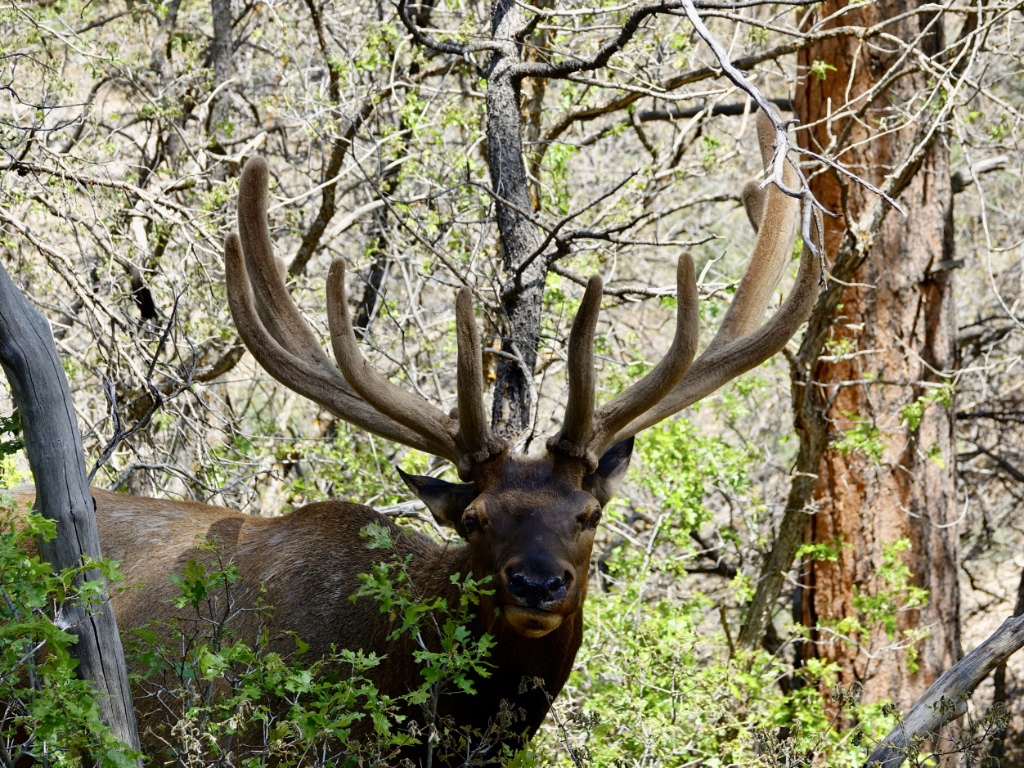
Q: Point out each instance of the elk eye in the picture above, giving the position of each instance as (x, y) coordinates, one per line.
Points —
(470, 522)
(591, 519)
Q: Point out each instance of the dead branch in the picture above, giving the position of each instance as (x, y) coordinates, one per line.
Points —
(947, 699)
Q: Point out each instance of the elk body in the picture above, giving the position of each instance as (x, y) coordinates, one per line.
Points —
(527, 522)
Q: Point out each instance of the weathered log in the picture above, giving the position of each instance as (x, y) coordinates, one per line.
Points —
(54, 447)
(955, 685)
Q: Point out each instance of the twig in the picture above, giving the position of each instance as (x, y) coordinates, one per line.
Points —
(157, 399)
(61, 264)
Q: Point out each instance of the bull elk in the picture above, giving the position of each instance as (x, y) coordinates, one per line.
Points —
(527, 522)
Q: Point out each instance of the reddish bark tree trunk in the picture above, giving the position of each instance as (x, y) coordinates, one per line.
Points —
(894, 335)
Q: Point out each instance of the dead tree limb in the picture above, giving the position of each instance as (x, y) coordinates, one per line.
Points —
(54, 447)
(947, 699)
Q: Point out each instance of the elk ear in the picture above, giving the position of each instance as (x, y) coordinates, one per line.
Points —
(604, 481)
(446, 501)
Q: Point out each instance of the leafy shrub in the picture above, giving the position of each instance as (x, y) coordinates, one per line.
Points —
(227, 700)
(655, 688)
(46, 713)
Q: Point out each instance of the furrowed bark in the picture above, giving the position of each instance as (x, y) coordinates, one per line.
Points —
(523, 291)
(895, 322)
(911, 300)
(40, 392)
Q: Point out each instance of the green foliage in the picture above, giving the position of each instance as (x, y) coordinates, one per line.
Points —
(732, 401)
(658, 686)
(820, 69)
(10, 425)
(934, 453)
(661, 681)
(682, 463)
(821, 551)
(863, 437)
(557, 167)
(232, 696)
(47, 709)
(911, 414)
(880, 610)
(1000, 128)
(235, 696)
(11, 443)
(757, 37)
(710, 149)
(460, 656)
(841, 347)
(899, 593)
(654, 687)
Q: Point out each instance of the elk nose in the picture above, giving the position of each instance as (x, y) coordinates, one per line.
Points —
(538, 591)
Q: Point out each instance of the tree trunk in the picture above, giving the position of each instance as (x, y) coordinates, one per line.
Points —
(523, 291)
(54, 447)
(223, 67)
(882, 476)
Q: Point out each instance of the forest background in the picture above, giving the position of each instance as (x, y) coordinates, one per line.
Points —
(848, 513)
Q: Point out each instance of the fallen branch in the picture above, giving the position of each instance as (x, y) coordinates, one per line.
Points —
(947, 699)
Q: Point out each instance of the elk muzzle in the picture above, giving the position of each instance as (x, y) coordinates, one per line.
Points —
(536, 600)
(538, 592)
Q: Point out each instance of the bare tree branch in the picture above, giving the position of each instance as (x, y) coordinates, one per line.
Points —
(947, 698)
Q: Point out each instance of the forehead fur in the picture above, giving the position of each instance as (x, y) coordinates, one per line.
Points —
(529, 473)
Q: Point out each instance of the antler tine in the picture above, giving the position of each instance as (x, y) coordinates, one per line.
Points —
(740, 344)
(475, 437)
(772, 248)
(720, 364)
(391, 400)
(277, 311)
(649, 390)
(578, 426)
(753, 198)
(315, 378)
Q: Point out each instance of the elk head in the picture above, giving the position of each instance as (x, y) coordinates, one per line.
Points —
(528, 522)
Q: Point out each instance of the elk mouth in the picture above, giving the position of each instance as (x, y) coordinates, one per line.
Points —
(532, 622)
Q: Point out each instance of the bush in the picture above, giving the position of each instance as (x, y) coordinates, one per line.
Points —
(212, 698)
(46, 713)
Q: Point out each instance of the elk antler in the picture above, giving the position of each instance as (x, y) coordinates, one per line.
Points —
(474, 429)
(583, 429)
(740, 344)
(470, 438)
(274, 331)
(579, 409)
